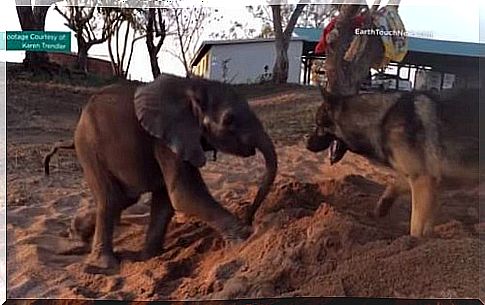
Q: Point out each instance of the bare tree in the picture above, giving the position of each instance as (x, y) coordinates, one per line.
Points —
(134, 25)
(238, 30)
(150, 24)
(279, 22)
(126, 30)
(282, 41)
(312, 15)
(156, 29)
(189, 25)
(91, 26)
(33, 19)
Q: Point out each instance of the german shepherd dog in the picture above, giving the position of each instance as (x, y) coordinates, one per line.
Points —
(429, 141)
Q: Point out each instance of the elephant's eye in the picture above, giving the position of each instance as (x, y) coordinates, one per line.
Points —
(228, 119)
(206, 124)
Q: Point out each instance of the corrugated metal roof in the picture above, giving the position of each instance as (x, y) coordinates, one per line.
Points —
(415, 44)
(251, 40)
(308, 34)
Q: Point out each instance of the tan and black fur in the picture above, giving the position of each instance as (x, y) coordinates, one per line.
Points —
(430, 142)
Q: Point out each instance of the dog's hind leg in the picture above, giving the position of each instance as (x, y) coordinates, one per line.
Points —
(391, 193)
(424, 205)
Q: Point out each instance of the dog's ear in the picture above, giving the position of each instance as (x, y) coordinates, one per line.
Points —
(171, 109)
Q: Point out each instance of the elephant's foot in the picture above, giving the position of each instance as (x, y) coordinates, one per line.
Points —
(74, 248)
(150, 252)
(104, 263)
(236, 234)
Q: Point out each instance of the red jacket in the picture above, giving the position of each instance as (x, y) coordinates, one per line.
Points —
(322, 44)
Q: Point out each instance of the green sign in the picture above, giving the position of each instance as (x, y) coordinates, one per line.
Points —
(39, 41)
(2, 40)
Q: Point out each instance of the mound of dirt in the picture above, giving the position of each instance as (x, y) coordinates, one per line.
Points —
(317, 249)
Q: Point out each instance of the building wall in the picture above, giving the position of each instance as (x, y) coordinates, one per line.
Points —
(245, 62)
(95, 65)
(203, 67)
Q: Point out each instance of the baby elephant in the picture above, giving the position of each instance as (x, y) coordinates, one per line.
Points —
(151, 138)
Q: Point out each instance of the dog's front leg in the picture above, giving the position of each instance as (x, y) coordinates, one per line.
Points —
(399, 187)
(425, 205)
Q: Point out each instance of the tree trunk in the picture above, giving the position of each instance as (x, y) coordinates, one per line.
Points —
(82, 55)
(282, 41)
(154, 64)
(152, 28)
(281, 67)
(33, 20)
(36, 60)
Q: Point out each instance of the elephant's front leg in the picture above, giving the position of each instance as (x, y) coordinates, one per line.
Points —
(189, 194)
(160, 216)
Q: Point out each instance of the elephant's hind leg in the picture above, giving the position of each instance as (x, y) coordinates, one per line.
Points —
(160, 215)
(83, 223)
(110, 201)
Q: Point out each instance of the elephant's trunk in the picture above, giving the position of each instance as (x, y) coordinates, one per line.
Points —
(266, 147)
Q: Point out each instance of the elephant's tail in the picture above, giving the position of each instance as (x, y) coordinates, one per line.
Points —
(48, 156)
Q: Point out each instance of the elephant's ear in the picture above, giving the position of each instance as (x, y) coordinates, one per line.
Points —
(169, 109)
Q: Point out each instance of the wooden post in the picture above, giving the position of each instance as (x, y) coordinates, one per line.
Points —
(304, 61)
(309, 70)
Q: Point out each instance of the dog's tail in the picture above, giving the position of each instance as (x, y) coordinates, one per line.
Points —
(55, 148)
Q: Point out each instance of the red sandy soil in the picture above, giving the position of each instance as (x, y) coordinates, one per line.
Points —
(313, 235)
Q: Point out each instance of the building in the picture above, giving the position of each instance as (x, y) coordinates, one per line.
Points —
(429, 63)
(244, 61)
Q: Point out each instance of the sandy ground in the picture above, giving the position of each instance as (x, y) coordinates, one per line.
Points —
(313, 235)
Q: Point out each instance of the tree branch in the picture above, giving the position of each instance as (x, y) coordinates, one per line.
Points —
(111, 56)
(180, 34)
(293, 19)
(89, 15)
(125, 44)
(133, 41)
(70, 22)
(176, 55)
